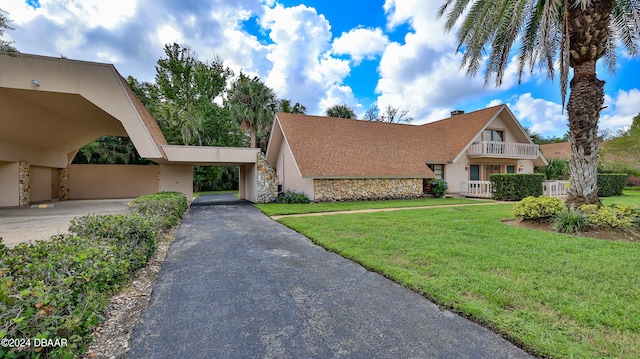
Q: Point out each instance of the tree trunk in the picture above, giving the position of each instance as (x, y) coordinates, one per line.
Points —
(588, 41)
(253, 135)
(584, 106)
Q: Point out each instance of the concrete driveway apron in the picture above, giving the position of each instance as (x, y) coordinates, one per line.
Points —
(236, 284)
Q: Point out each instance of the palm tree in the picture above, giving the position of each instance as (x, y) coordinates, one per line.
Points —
(252, 104)
(284, 105)
(341, 110)
(576, 33)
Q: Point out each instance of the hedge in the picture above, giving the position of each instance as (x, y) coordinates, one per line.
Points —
(611, 184)
(58, 289)
(514, 187)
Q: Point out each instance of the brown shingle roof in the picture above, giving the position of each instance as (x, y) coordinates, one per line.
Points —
(336, 147)
(560, 150)
(448, 137)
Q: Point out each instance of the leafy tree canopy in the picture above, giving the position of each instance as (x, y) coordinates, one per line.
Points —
(4, 25)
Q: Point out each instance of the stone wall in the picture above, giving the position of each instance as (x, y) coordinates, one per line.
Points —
(24, 176)
(267, 181)
(63, 184)
(328, 190)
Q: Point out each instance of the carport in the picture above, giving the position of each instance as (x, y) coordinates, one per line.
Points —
(51, 107)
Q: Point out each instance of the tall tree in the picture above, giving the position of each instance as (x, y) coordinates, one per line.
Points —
(284, 105)
(188, 88)
(4, 25)
(576, 33)
(341, 110)
(390, 114)
(252, 104)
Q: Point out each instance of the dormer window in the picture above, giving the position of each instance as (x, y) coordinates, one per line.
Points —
(493, 135)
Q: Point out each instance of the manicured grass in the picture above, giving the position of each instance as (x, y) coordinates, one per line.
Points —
(273, 209)
(629, 198)
(553, 294)
(198, 194)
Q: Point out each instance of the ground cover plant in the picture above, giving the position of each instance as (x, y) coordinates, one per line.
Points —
(273, 209)
(56, 290)
(614, 216)
(553, 294)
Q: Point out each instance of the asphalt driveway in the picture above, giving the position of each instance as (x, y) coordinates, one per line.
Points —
(236, 284)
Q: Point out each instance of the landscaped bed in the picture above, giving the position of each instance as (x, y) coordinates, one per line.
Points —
(553, 294)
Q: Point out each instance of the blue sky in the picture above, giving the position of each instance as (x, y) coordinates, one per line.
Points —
(318, 53)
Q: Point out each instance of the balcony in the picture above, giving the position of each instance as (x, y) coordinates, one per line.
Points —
(497, 149)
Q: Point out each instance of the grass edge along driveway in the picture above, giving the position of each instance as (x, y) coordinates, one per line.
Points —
(554, 295)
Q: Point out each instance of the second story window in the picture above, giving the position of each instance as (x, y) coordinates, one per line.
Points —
(492, 135)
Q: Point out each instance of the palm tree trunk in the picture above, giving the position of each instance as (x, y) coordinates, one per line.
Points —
(253, 135)
(584, 106)
(589, 36)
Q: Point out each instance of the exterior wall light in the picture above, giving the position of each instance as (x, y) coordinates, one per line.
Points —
(521, 168)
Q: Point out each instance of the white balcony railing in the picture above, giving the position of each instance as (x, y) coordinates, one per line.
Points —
(482, 189)
(479, 189)
(499, 149)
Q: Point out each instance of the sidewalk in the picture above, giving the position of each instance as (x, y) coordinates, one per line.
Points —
(371, 210)
(236, 284)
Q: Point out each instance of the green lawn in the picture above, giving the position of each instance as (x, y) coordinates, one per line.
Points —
(555, 295)
(273, 209)
(630, 198)
(198, 194)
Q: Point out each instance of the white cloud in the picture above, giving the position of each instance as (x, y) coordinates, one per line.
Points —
(620, 110)
(423, 74)
(303, 69)
(548, 119)
(539, 115)
(360, 43)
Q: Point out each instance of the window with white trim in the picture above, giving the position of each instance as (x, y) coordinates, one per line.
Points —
(438, 169)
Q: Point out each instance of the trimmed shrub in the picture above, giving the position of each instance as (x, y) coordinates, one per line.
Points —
(613, 217)
(59, 288)
(292, 197)
(165, 208)
(571, 221)
(538, 207)
(514, 187)
(438, 188)
(133, 235)
(611, 184)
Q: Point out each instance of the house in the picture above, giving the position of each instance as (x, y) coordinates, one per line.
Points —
(51, 107)
(332, 159)
(560, 150)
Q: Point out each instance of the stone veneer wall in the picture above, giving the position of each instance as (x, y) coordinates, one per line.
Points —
(63, 184)
(328, 190)
(267, 181)
(24, 176)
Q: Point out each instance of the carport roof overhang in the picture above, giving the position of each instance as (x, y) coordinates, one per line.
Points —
(51, 107)
(210, 156)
